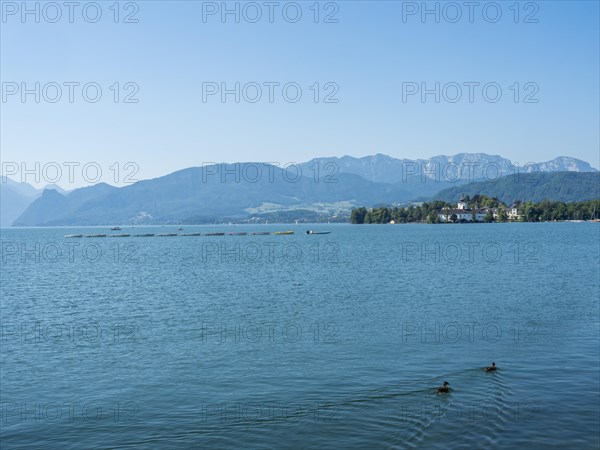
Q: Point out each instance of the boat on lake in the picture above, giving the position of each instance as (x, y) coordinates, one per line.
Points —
(115, 229)
(214, 234)
(144, 235)
(192, 234)
(167, 234)
(120, 235)
(317, 232)
(239, 233)
(261, 233)
(283, 232)
(73, 235)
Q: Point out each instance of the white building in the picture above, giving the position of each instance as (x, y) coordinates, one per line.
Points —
(511, 213)
(464, 214)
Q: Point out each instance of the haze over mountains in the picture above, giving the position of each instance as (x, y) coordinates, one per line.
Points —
(16, 197)
(326, 185)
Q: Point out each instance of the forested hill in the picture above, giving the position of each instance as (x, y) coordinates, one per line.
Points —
(535, 187)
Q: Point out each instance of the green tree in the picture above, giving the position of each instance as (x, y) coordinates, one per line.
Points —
(358, 215)
(489, 217)
(502, 216)
(433, 218)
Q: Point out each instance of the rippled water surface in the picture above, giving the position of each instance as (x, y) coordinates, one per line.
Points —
(320, 341)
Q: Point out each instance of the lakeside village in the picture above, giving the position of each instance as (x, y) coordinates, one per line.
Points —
(479, 209)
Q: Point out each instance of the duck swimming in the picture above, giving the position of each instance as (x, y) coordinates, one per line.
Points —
(491, 368)
(444, 388)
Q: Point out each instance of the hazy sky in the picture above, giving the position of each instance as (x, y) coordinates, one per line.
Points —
(371, 61)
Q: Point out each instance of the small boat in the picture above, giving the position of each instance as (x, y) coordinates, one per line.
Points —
(144, 235)
(120, 235)
(240, 233)
(192, 234)
(73, 235)
(115, 229)
(95, 235)
(180, 229)
(167, 234)
(318, 232)
(283, 232)
(261, 233)
(214, 234)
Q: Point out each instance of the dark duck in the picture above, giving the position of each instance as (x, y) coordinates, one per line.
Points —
(491, 368)
(444, 388)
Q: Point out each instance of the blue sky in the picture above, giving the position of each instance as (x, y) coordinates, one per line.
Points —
(367, 56)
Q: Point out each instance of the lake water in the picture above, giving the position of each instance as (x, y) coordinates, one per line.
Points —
(328, 341)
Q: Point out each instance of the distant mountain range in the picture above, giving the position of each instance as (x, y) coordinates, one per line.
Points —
(466, 167)
(193, 195)
(322, 185)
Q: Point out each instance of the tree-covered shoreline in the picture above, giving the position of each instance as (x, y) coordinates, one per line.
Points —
(431, 212)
